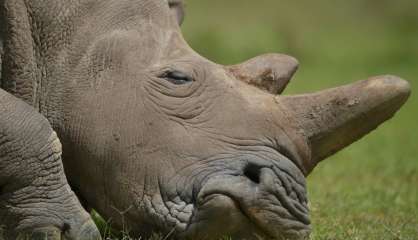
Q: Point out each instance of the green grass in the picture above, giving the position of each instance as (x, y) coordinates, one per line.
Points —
(369, 190)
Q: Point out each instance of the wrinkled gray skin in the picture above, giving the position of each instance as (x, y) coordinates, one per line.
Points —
(148, 127)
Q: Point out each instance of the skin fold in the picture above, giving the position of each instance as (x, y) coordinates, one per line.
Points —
(178, 144)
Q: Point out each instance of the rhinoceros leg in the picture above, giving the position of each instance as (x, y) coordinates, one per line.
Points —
(36, 201)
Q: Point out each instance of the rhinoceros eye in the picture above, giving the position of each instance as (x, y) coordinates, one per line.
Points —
(176, 77)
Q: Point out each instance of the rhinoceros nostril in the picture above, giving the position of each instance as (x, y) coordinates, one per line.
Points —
(252, 172)
(66, 227)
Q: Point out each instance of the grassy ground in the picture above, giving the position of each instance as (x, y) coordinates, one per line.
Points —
(369, 190)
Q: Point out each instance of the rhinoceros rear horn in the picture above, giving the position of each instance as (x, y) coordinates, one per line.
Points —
(269, 72)
(329, 120)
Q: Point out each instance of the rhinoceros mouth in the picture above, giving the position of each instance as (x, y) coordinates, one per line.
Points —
(274, 207)
(254, 228)
(249, 228)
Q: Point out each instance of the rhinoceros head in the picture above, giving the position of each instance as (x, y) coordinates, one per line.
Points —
(185, 146)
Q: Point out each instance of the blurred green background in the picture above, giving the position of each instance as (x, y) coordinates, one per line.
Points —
(369, 190)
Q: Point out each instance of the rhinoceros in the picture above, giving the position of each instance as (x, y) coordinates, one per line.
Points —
(154, 136)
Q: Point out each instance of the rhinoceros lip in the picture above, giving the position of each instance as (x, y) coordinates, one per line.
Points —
(259, 226)
(259, 229)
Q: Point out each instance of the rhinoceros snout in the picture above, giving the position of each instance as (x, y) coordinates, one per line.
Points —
(263, 199)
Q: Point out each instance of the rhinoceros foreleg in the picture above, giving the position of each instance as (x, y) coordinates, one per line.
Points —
(36, 201)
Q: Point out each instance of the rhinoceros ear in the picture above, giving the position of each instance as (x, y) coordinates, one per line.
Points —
(1, 55)
(1, 40)
(18, 58)
(177, 8)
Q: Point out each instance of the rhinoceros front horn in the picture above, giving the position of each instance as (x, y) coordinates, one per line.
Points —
(327, 121)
